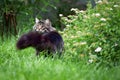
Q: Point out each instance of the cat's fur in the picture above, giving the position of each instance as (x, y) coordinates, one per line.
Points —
(49, 41)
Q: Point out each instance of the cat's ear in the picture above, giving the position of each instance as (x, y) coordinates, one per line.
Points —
(49, 25)
(47, 22)
(36, 20)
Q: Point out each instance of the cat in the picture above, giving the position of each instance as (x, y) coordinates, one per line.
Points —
(52, 42)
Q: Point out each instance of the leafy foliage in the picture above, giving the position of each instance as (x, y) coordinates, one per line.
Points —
(95, 33)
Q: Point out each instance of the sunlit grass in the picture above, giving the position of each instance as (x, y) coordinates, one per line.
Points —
(24, 65)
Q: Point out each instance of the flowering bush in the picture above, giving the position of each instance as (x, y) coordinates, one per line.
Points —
(94, 33)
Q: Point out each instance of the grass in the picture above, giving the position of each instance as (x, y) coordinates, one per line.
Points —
(24, 65)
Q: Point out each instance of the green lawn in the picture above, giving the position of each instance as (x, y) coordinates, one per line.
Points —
(24, 65)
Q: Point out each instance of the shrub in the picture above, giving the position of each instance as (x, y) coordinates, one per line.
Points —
(95, 33)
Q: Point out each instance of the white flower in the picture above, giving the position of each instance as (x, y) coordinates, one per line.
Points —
(103, 19)
(98, 49)
(83, 43)
(67, 25)
(97, 14)
(111, 9)
(99, 2)
(90, 60)
(81, 11)
(115, 6)
(60, 15)
(74, 9)
(116, 44)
